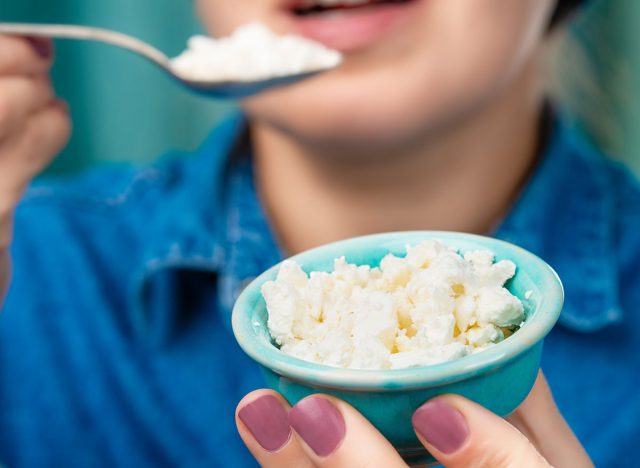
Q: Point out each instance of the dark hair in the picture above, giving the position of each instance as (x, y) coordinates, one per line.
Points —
(564, 9)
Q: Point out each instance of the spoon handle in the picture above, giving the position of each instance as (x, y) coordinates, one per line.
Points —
(88, 34)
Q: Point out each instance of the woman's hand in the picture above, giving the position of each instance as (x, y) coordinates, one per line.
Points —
(34, 126)
(321, 431)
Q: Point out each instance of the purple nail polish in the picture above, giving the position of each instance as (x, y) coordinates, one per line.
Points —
(441, 425)
(267, 421)
(319, 423)
(42, 46)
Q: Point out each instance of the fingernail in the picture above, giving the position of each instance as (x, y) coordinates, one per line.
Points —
(42, 46)
(441, 425)
(319, 423)
(267, 421)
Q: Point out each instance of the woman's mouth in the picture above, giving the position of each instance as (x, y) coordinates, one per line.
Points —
(347, 25)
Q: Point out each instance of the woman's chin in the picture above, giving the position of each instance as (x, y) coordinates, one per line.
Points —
(348, 122)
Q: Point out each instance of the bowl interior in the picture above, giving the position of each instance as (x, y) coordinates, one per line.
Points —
(535, 284)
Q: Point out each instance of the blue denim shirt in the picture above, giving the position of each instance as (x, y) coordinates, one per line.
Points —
(115, 341)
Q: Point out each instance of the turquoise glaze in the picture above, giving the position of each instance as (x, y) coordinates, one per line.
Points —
(498, 378)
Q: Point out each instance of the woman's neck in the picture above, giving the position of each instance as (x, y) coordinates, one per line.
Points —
(464, 179)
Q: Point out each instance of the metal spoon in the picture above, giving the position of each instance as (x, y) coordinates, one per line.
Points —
(218, 89)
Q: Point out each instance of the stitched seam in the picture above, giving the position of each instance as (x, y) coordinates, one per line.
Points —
(50, 196)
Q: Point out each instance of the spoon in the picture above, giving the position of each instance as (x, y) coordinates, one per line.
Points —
(214, 88)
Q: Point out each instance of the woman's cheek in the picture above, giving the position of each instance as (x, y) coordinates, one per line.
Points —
(454, 59)
(386, 105)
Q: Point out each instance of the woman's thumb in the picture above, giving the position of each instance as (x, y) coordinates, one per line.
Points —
(460, 433)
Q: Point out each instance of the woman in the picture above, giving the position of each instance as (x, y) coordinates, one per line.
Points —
(115, 346)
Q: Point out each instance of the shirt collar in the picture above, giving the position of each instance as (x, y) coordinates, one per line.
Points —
(187, 234)
(215, 223)
(565, 215)
(249, 243)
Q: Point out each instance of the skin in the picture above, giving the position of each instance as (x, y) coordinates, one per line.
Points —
(371, 161)
(34, 127)
(491, 442)
(366, 161)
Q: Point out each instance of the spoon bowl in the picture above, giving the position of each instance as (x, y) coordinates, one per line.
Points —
(221, 89)
(241, 89)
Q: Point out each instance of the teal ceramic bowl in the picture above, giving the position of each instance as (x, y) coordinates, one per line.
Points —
(498, 378)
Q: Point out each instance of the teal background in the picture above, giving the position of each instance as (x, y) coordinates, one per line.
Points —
(124, 109)
(598, 75)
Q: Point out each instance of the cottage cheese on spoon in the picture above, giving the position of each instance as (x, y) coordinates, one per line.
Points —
(431, 306)
(252, 53)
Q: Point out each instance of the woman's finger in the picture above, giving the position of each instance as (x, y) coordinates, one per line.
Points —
(262, 422)
(460, 433)
(21, 97)
(334, 434)
(32, 149)
(539, 419)
(25, 56)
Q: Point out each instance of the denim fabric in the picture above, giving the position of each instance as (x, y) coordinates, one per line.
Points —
(115, 341)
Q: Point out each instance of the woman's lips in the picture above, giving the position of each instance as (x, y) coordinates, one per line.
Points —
(351, 29)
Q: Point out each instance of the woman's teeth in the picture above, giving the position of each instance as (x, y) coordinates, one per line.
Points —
(332, 3)
(320, 6)
(309, 7)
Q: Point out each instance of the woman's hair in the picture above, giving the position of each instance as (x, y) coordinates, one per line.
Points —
(564, 8)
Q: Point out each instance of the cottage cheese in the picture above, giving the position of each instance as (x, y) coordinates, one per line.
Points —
(431, 306)
(252, 53)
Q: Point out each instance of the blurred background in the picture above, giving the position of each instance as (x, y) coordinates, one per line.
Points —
(124, 109)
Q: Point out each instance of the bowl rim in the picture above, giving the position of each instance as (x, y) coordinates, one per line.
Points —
(537, 327)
